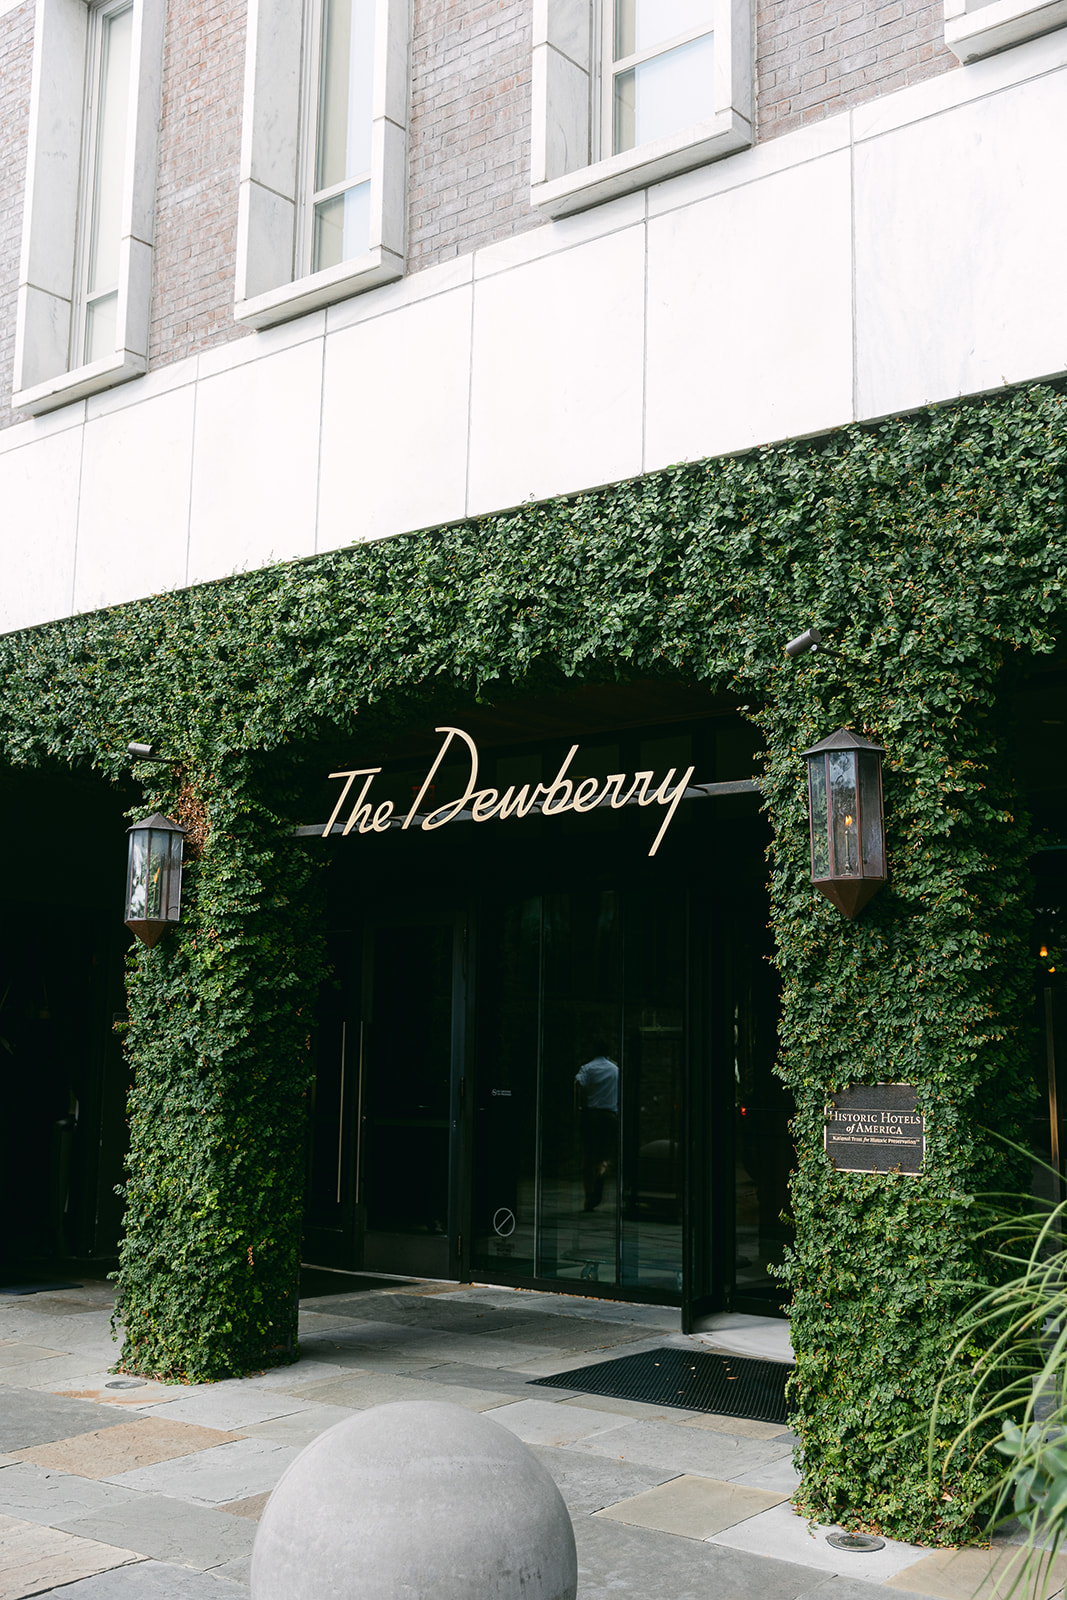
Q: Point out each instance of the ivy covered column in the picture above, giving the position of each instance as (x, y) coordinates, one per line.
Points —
(219, 1037)
(929, 986)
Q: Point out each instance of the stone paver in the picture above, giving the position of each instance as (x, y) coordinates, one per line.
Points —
(138, 1443)
(169, 1530)
(692, 1507)
(662, 1444)
(974, 1574)
(228, 1472)
(39, 1495)
(252, 1507)
(540, 1422)
(794, 1539)
(29, 1418)
(617, 1563)
(230, 1410)
(151, 1580)
(362, 1390)
(32, 1556)
(589, 1483)
(838, 1588)
(298, 1428)
(15, 1353)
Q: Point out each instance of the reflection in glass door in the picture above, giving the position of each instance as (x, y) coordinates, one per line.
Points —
(578, 1104)
(406, 1089)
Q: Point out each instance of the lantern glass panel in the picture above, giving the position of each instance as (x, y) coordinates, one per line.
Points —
(158, 859)
(137, 883)
(871, 815)
(820, 839)
(844, 817)
(174, 876)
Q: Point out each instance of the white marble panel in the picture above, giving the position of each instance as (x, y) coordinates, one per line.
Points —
(556, 390)
(38, 521)
(134, 521)
(255, 454)
(960, 251)
(394, 424)
(749, 315)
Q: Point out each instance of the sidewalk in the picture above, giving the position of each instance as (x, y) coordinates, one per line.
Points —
(152, 1492)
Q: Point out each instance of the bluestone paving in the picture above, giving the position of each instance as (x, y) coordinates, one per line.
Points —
(150, 1580)
(588, 1483)
(232, 1410)
(779, 1529)
(972, 1574)
(168, 1530)
(33, 1555)
(661, 1444)
(228, 1472)
(617, 1563)
(16, 1353)
(540, 1422)
(138, 1442)
(29, 1417)
(39, 1495)
(628, 1472)
(841, 1588)
(299, 1427)
(692, 1507)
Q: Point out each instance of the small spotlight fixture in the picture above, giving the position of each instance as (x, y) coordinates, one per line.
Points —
(810, 639)
(146, 752)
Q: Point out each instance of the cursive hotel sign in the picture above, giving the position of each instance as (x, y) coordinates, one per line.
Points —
(564, 793)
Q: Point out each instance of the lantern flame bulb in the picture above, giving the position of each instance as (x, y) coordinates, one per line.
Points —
(1043, 951)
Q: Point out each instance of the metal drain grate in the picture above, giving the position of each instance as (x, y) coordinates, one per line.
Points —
(693, 1380)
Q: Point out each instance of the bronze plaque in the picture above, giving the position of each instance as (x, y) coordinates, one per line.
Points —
(874, 1127)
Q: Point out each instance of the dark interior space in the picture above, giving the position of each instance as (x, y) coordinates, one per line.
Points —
(62, 943)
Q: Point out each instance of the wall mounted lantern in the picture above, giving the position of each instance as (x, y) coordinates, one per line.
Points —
(154, 877)
(847, 821)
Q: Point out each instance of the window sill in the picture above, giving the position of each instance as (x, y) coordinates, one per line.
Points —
(319, 289)
(972, 33)
(723, 135)
(66, 387)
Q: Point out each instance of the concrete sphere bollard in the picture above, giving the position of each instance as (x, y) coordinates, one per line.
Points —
(415, 1501)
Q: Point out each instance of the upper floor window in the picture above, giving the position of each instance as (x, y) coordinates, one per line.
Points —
(322, 208)
(627, 92)
(336, 223)
(106, 125)
(659, 63)
(86, 267)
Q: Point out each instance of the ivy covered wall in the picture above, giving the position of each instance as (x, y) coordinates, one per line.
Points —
(934, 551)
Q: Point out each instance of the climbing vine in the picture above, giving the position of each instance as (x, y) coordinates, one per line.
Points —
(932, 549)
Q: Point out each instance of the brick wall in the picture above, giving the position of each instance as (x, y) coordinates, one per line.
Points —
(196, 193)
(469, 154)
(816, 57)
(16, 60)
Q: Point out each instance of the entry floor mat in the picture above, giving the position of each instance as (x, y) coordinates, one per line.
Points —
(692, 1380)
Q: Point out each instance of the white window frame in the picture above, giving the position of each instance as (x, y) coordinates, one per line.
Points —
(49, 371)
(974, 29)
(571, 114)
(274, 206)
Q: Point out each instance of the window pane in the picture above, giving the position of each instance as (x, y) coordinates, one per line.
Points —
(639, 24)
(101, 332)
(108, 172)
(346, 74)
(663, 95)
(342, 228)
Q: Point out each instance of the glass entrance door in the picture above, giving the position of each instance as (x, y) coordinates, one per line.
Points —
(408, 1049)
(578, 1151)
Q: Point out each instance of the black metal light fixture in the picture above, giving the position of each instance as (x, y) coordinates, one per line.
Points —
(847, 819)
(154, 877)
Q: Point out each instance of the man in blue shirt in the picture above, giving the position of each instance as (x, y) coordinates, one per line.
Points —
(596, 1087)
